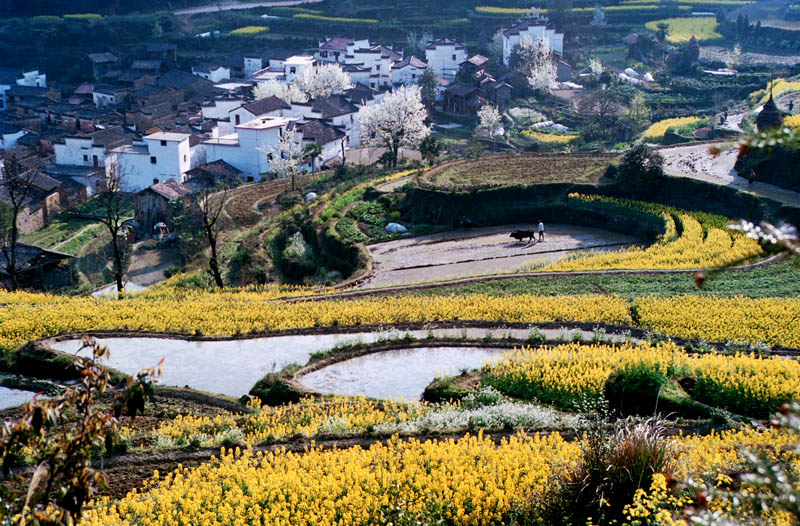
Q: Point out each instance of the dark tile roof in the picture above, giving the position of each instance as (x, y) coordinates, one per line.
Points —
(178, 79)
(333, 106)
(219, 169)
(523, 25)
(8, 129)
(102, 58)
(27, 91)
(207, 67)
(337, 43)
(412, 61)
(111, 137)
(445, 42)
(149, 65)
(476, 60)
(160, 47)
(264, 106)
(320, 131)
(388, 53)
(30, 257)
(45, 183)
(169, 189)
(460, 89)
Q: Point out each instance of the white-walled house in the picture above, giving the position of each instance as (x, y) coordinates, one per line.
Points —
(327, 136)
(159, 156)
(90, 150)
(335, 50)
(379, 60)
(9, 135)
(220, 108)
(444, 57)
(18, 77)
(251, 65)
(408, 71)
(534, 28)
(338, 110)
(107, 95)
(267, 107)
(295, 65)
(213, 72)
(248, 147)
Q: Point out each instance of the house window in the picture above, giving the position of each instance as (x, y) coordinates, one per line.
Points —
(184, 157)
(378, 67)
(163, 143)
(323, 53)
(454, 57)
(371, 84)
(292, 70)
(152, 160)
(238, 119)
(269, 157)
(413, 75)
(86, 158)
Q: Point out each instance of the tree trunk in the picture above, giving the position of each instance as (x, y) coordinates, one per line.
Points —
(213, 263)
(395, 153)
(117, 263)
(12, 257)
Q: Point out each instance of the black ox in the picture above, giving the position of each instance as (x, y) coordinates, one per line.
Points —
(519, 235)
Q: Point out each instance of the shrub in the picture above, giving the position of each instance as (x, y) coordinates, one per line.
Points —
(634, 389)
(297, 258)
(614, 466)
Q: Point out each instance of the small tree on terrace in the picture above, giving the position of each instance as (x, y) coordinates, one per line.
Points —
(397, 122)
(427, 86)
(430, 148)
(284, 158)
(206, 208)
(312, 152)
(15, 187)
(490, 120)
(114, 214)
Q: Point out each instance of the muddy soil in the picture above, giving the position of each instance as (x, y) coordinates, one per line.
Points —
(481, 251)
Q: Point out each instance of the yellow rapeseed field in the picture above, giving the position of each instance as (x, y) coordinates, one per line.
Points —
(470, 481)
(777, 87)
(705, 241)
(657, 130)
(549, 138)
(567, 374)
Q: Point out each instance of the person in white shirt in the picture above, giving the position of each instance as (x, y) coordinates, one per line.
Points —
(541, 231)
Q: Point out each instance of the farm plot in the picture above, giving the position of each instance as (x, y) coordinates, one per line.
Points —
(506, 170)
(480, 251)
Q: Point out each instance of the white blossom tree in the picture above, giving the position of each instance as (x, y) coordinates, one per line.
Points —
(490, 119)
(599, 16)
(288, 93)
(284, 158)
(397, 122)
(496, 44)
(323, 81)
(536, 62)
(596, 67)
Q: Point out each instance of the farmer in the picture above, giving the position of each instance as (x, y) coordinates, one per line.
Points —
(751, 178)
(541, 231)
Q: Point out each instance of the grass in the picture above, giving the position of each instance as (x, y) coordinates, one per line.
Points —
(778, 280)
(683, 29)
(250, 31)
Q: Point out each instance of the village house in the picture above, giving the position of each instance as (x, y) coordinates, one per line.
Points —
(152, 205)
(91, 149)
(212, 174)
(36, 268)
(327, 136)
(408, 71)
(102, 64)
(214, 72)
(106, 95)
(444, 56)
(158, 156)
(533, 28)
(251, 64)
(267, 107)
(9, 135)
(339, 110)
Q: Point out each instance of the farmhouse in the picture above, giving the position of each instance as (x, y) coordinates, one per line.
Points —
(213, 72)
(158, 156)
(533, 28)
(152, 205)
(36, 268)
(444, 57)
(408, 71)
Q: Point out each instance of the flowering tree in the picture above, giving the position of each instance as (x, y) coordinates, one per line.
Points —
(496, 44)
(397, 122)
(596, 66)
(599, 16)
(536, 61)
(490, 119)
(284, 158)
(323, 81)
(288, 93)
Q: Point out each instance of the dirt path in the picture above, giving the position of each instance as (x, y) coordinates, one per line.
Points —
(696, 162)
(734, 122)
(228, 6)
(480, 251)
(390, 186)
(149, 265)
(75, 235)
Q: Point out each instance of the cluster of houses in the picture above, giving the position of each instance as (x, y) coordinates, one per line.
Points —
(158, 123)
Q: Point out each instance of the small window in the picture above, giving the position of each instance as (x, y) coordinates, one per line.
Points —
(184, 157)
(454, 57)
(86, 158)
(238, 119)
(152, 160)
(378, 67)
(163, 143)
(323, 53)
(413, 75)
(249, 178)
(292, 70)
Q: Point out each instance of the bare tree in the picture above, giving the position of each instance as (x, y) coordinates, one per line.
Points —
(15, 184)
(113, 206)
(210, 206)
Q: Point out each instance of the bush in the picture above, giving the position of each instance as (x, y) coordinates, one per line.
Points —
(297, 257)
(640, 171)
(614, 466)
(634, 390)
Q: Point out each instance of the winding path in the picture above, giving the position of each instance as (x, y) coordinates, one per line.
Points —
(229, 6)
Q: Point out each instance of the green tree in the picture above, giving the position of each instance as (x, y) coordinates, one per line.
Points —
(427, 86)
(641, 171)
(430, 148)
(312, 152)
